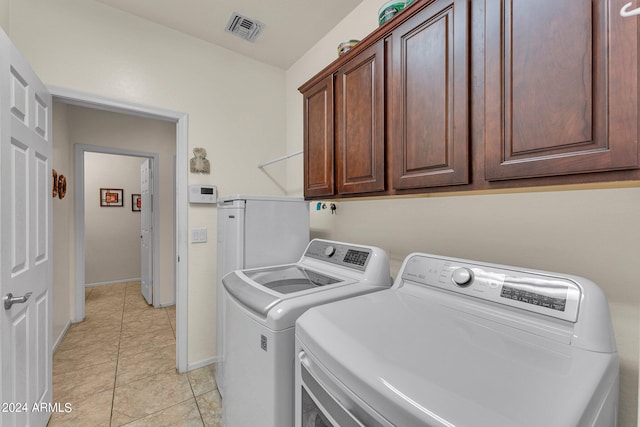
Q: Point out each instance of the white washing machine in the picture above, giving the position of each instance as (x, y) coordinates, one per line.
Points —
(249, 228)
(460, 343)
(261, 307)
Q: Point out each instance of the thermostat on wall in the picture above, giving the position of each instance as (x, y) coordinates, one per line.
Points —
(203, 193)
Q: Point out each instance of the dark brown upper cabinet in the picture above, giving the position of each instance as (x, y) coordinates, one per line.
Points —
(429, 107)
(461, 95)
(561, 88)
(359, 125)
(318, 139)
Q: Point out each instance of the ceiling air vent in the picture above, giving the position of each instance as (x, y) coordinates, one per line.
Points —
(244, 27)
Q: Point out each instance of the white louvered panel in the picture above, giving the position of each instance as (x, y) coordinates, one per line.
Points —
(243, 27)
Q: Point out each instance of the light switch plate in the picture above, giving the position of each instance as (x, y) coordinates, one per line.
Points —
(199, 235)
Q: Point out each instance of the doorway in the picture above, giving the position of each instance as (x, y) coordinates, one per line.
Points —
(113, 243)
(180, 258)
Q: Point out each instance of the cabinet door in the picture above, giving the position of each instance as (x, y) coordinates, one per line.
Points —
(360, 123)
(429, 111)
(318, 139)
(561, 88)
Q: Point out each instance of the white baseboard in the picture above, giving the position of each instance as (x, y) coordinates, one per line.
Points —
(113, 282)
(62, 334)
(165, 304)
(201, 363)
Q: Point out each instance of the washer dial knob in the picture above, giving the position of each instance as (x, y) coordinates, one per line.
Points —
(462, 276)
(329, 251)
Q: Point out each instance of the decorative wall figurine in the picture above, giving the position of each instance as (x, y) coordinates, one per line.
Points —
(199, 163)
(62, 186)
(54, 183)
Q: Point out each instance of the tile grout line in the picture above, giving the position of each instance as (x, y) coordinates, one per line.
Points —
(115, 374)
(158, 411)
(195, 399)
(170, 323)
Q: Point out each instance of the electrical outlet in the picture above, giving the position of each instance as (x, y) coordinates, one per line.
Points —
(199, 235)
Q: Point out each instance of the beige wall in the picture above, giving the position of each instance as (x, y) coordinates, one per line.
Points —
(111, 234)
(63, 223)
(4, 15)
(235, 105)
(593, 233)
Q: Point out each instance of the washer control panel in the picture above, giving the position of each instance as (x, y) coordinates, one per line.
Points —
(354, 257)
(554, 296)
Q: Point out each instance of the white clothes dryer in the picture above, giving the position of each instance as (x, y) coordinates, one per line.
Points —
(460, 343)
(261, 307)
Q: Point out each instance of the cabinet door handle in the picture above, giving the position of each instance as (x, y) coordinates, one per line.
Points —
(626, 12)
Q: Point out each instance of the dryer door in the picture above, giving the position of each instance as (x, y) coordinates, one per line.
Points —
(322, 402)
(319, 409)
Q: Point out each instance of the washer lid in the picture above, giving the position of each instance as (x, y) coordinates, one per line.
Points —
(289, 279)
(262, 288)
(259, 302)
(417, 361)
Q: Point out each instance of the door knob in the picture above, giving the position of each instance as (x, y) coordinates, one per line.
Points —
(9, 300)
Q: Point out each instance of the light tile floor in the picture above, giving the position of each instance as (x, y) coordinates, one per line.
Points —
(117, 367)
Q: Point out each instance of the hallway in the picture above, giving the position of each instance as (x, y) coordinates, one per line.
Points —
(117, 367)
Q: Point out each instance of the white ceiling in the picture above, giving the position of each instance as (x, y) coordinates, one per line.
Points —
(291, 27)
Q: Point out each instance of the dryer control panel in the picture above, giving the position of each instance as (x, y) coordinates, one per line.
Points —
(537, 292)
(354, 257)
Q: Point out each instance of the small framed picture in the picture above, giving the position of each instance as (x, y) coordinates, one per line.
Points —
(136, 202)
(111, 197)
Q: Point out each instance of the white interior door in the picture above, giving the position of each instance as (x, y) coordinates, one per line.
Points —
(25, 238)
(146, 232)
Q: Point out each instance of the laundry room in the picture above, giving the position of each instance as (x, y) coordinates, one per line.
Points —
(507, 209)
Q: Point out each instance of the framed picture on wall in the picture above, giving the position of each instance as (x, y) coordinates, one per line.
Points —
(111, 197)
(136, 202)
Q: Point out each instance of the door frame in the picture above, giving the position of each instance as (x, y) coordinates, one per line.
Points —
(181, 120)
(79, 172)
